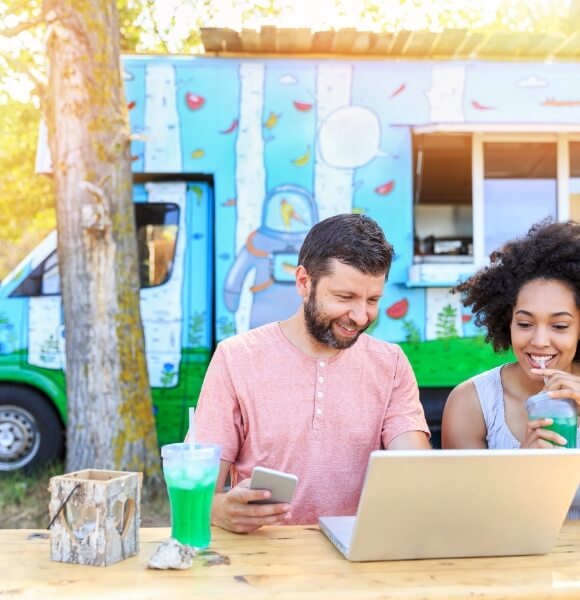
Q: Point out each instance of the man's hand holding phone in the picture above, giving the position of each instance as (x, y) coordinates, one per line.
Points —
(243, 510)
(281, 485)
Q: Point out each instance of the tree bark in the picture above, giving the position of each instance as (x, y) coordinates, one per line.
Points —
(110, 419)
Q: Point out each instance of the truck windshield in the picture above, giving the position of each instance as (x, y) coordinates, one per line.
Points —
(157, 226)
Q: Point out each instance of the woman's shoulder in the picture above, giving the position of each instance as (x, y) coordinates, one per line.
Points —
(463, 392)
(463, 425)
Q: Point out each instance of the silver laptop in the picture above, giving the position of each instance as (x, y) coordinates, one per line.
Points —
(457, 503)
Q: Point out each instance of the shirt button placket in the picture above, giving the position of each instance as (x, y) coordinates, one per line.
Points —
(319, 394)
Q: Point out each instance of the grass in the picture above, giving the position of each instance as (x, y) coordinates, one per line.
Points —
(24, 500)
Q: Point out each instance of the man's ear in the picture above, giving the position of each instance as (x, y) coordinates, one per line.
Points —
(303, 281)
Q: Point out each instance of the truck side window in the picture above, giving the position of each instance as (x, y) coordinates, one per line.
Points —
(156, 226)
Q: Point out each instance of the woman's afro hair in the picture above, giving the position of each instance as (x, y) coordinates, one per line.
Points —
(548, 251)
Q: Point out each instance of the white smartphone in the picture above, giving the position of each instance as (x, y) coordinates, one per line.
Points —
(282, 485)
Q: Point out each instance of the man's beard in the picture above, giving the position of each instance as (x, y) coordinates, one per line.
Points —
(321, 329)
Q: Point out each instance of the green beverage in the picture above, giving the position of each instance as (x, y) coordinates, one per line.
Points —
(566, 427)
(562, 411)
(191, 507)
(191, 474)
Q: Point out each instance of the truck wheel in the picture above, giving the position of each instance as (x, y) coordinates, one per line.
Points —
(31, 433)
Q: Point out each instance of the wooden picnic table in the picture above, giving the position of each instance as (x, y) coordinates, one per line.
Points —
(281, 563)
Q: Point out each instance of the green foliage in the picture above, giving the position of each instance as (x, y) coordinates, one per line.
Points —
(169, 374)
(26, 198)
(435, 15)
(227, 329)
(412, 333)
(445, 327)
(129, 15)
(16, 487)
(163, 27)
(196, 323)
(267, 9)
(49, 349)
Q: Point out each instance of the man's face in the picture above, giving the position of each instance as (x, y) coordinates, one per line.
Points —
(340, 306)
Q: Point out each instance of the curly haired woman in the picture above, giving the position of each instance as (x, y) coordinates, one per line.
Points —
(528, 299)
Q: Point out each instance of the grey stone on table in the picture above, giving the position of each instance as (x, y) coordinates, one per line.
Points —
(172, 555)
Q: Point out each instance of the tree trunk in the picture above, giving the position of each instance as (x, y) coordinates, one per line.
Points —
(110, 419)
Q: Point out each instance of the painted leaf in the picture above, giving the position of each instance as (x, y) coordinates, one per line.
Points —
(193, 101)
(386, 188)
(303, 160)
(400, 89)
(479, 106)
(399, 309)
(272, 120)
(231, 128)
(302, 106)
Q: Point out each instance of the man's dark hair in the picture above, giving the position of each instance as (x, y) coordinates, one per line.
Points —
(354, 240)
(549, 251)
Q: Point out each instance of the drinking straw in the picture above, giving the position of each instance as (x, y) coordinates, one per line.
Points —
(542, 364)
(191, 428)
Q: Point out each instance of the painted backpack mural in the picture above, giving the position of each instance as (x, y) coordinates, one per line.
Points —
(234, 161)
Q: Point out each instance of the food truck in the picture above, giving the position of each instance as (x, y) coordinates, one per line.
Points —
(236, 156)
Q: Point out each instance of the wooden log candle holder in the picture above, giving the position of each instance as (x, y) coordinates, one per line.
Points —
(95, 516)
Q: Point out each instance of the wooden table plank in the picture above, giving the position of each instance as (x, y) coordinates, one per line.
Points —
(283, 563)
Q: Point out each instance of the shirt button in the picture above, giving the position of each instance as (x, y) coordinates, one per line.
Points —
(320, 395)
(318, 411)
(321, 379)
(322, 364)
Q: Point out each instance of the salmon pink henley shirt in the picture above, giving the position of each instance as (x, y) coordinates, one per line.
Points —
(267, 403)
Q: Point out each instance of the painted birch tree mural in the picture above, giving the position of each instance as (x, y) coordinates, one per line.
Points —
(250, 172)
(332, 181)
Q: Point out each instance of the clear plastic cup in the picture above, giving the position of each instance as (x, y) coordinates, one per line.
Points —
(191, 475)
(563, 411)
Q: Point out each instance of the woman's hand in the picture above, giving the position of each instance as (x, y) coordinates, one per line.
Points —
(537, 437)
(560, 384)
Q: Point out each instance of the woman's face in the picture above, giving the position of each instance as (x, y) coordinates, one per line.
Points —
(545, 326)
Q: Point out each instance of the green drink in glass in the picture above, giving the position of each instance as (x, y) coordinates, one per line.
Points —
(562, 411)
(191, 474)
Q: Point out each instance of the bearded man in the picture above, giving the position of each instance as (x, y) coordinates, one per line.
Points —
(313, 395)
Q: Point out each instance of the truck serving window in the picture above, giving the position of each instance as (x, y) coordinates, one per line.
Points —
(157, 226)
(443, 201)
(519, 188)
